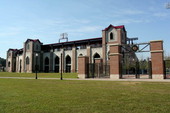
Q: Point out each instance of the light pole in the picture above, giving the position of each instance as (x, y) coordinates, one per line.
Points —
(61, 78)
(36, 55)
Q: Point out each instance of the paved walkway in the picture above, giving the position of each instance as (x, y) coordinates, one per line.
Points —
(97, 79)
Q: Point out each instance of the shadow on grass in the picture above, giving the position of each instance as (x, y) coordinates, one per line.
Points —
(40, 75)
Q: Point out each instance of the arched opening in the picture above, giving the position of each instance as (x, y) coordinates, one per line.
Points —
(37, 48)
(96, 55)
(28, 46)
(14, 68)
(80, 54)
(68, 64)
(27, 60)
(111, 36)
(9, 64)
(46, 64)
(20, 66)
(57, 63)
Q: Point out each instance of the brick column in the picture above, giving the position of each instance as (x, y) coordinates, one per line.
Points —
(115, 61)
(157, 59)
(82, 66)
(98, 60)
(104, 46)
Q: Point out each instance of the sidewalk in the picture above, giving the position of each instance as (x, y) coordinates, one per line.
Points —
(91, 79)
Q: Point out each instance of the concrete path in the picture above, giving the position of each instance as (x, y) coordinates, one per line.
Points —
(96, 79)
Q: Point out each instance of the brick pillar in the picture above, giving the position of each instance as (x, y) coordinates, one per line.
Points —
(115, 61)
(104, 46)
(82, 66)
(98, 60)
(157, 59)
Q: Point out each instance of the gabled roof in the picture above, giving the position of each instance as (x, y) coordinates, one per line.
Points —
(33, 40)
(116, 27)
(12, 49)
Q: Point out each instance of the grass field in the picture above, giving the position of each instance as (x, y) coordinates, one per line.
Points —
(56, 96)
(41, 75)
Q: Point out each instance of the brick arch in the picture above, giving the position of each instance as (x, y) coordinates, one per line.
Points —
(96, 55)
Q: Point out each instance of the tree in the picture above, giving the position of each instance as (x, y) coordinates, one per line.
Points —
(2, 62)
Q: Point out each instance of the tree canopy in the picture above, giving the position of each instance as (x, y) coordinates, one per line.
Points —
(2, 62)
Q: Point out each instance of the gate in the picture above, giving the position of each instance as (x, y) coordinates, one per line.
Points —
(167, 69)
(98, 70)
(132, 66)
(136, 69)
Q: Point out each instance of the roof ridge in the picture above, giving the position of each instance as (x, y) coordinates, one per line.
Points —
(75, 41)
(117, 27)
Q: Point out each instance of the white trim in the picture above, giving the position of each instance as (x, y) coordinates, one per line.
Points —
(82, 76)
(114, 76)
(157, 51)
(156, 41)
(158, 76)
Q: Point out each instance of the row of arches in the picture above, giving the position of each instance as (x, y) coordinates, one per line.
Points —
(67, 63)
(57, 64)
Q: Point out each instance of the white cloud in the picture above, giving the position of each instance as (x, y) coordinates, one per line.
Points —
(10, 31)
(132, 12)
(64, 22)
(160, 14)
(125, 12)
(80, 21)
(86, 29)
(128, 21)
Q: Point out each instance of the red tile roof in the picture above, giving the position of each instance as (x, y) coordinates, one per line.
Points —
(34, 40)
(116, 27)
(12, 49)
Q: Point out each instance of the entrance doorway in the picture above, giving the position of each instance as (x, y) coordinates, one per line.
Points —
(133, 63)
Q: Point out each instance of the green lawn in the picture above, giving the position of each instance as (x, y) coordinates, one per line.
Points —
(41, 75)
(56, 96)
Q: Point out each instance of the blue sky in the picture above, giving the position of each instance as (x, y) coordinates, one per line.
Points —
(81, 19)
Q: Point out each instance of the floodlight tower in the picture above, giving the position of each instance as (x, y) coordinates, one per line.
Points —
(167, 5)
(63, 36)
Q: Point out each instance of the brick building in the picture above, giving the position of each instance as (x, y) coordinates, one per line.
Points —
(48, 56)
